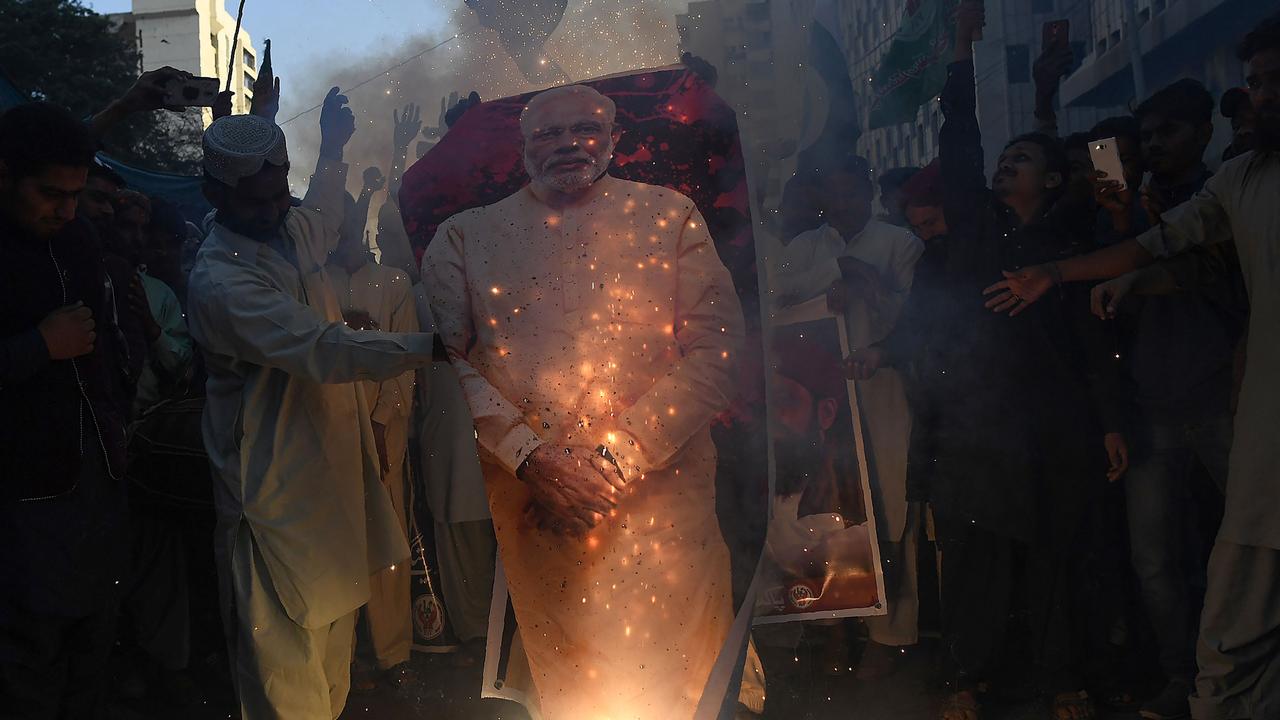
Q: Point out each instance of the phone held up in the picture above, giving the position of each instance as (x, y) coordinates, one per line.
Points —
(1106, 158)
(191, 92)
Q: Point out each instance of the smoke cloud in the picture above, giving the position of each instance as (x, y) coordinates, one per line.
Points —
(594, 38)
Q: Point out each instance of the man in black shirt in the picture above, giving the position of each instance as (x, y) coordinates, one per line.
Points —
(62, 509)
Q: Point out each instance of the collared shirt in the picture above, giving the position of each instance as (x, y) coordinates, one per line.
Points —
(1239, 205)
(286, 425)
(810, 264)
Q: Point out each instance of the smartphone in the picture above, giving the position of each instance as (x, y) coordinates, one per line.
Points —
(1106, 158)
(191, 92)
(1056, 36)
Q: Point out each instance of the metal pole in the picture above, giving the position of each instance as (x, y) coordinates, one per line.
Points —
(235, 41)
(1134, 40)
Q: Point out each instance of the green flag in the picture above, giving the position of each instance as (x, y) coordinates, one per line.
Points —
(914, 69)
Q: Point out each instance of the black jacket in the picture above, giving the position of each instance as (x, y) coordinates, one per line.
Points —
(1017, 406)
(51, 411)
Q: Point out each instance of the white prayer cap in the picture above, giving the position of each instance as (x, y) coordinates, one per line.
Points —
(605, 107)
(236, 146)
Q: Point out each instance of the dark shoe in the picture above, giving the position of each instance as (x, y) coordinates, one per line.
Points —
(1171, 704)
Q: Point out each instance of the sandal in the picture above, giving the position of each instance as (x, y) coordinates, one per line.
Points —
(1073, 706)
(960, 706)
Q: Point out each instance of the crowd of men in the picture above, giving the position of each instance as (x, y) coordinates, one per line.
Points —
(1032, 440)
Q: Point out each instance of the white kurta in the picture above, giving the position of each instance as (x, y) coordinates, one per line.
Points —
(808, 267)
(614, 320)
(286, 427)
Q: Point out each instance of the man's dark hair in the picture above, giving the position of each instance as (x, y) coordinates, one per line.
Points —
(1119, 126)
(103, 172)
(1186, 100)
(1055, 157)
(1076, 141)
(850, 164)
(1264, 36)
(34, 136)
(1234, 102)
(894, 178)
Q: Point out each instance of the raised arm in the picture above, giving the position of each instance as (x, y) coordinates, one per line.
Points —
(1047, 72)
(1198, 222)
(709, 331)
(405, 129)
(146, 95)
(960, 139)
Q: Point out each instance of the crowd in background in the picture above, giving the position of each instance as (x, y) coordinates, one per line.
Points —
(1060, 463)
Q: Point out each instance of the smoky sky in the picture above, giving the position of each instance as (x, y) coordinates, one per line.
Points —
(594, 38)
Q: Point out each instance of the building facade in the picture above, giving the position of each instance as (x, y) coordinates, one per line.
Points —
(760, 48)
(1003, 59)
(194, 36)
(1176, 39)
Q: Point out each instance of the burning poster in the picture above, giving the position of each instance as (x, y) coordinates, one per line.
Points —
(574, 339)
(821, 558)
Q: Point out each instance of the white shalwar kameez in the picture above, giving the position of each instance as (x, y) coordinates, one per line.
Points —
(303, 519)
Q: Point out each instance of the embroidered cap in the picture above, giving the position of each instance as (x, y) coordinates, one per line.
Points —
(236, 146)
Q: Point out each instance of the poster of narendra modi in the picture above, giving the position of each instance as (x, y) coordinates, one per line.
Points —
(591, 260)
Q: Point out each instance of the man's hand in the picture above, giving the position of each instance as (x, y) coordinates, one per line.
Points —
(574, 486)
(68, 332)
(266, 96)
(373, 180)
(1105, 299)
(406, 124)
(1049, 69)
(358, 319)
(141, 309)
(1155, 202)
(863, 363)
(1111, 195)
(380, 442)
(149, 89)
(222, 104)
(1117, 454)
(1019, 289)
(337, 124)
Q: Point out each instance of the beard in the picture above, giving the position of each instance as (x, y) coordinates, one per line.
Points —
(573, 181)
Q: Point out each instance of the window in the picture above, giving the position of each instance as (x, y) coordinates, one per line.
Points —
(248, 80)
(1017, 60)
(250, 61)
